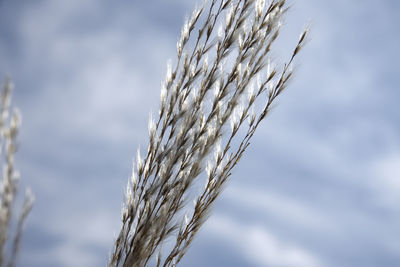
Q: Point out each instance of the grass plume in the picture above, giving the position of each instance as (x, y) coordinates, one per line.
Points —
(9, 126)
(212, 101)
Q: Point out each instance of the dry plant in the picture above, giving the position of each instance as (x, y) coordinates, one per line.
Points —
(9, 126)
(222, 77)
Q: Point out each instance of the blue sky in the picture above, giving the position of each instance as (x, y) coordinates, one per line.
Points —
(319, 185)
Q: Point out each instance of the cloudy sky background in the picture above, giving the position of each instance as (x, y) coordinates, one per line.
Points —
(319, 186)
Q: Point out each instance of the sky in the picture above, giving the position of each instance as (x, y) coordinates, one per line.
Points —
(319, 185)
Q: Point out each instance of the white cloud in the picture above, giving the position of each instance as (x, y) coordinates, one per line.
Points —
(385, 178)
(99, 84)
(279, 206)
(81, 237)
(69, 254)
(260, 246)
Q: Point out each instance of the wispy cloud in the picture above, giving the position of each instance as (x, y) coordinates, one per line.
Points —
(260, 246)
(386, 173)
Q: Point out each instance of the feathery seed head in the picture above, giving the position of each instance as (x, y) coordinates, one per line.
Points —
(163, 93)
(186, 219)
(183, 39)
(15, 120)
(250, 91)
(6, 94)
(124, 212)
(169, 72)
(164, 210)
(191, 127)
(252, 116)
(195, 15)
(192, 70)
(209, 168)
(240, 42)
(245, 27)
(271, 87)
(185, 32)
(134, 177)
(219, 110)
(211, 130)
(202, 120)
(129, 193)
(195, 96)
(179, 47)
(185, 105)
(218, 151)
(239, 69)
(268, 67)
(139, 162)
(229, 17)
(220, 32)
(151, 126)
(205, 65)
(217, 88)
(259, 6)
(233, 123)
(222, 68)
